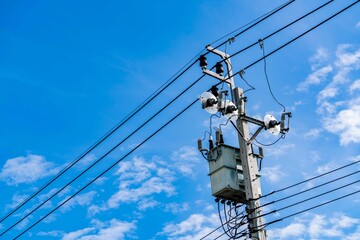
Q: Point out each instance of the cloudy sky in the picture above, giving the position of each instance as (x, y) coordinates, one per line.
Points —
(71, 71)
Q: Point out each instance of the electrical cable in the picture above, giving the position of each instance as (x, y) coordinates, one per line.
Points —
(98, 160)
(176, 76)
(279, 30)
(305, 200)
(305, 210)
(269, 144)
(208, 234)
(294, 39)
(308, 180)
(247, 83)
(106, 170)
(267, 78)
(256, 23)
(245, 68)
(309, 189)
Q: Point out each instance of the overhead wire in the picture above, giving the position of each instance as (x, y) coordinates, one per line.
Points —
(28, 214)
(307, 190)
(132, 114)
(137, 109)
(250, 64)
(310, 189)
(106, 154)
(305, 200)
(309, 179)
(262, 45)
(107, 135)
(262, 18)
(279, 30)
(305, 210)
(296, 38)
(106, 170)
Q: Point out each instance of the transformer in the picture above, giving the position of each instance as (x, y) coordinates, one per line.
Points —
(226, 173)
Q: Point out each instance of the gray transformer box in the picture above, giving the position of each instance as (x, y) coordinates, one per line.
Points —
(226, 173)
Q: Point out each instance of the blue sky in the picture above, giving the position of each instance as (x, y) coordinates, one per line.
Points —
(70, 71)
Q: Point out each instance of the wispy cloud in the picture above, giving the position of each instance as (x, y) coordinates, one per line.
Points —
(139, 181)
(195, 226)
(315, 78)
(113, 229)
(273, 174)
(338, 102)
(186, 159)
(176, 207)
(84, 199)
(27, 169)
(317, 226)
(347, 124)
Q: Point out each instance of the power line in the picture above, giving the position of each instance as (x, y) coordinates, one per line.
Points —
(107, 135)
(280, 29)
(106, 154)
(108, 169)
(308, 209)
(310, 189)
(306, 200)
(177, 75)
(298, 193)
(309, 179)
(294, 39)
(262, 18)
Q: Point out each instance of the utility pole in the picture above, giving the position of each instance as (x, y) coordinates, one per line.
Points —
(248, 158)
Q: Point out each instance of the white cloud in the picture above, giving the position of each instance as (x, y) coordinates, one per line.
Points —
(279, 150)
(54, 233)
(313, 133)
(317, 226)
(338, 102)
(79, 200)
(357, 25)
(355, 86)
(328, 92)
(346, 123)
(27, 169)
(273, 174)
(320, 56)
(186, 159)
(194, 227)
(294, 230)
(114, 229)
(315, 78)
(139, 181)
(176, 207)
(348, 56)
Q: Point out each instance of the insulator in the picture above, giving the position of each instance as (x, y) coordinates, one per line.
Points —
(282, 125)
(261, 152)
(230, 109)
(219, 68)
(214, 91)
(211, 143)
(203, 62)
(219, 137)
(200, 144)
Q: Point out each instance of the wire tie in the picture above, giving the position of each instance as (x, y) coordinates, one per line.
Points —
(242, 73)
(261, 43)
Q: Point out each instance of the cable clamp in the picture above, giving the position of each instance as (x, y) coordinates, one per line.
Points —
(242, 73)
(231, 40)
(261, 43)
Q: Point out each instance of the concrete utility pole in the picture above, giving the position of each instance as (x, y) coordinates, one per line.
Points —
(248, 159)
